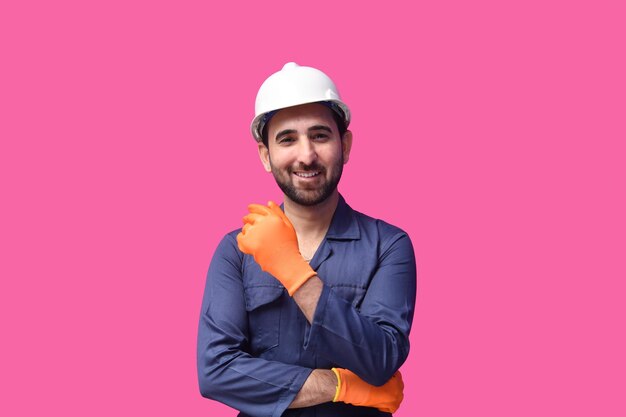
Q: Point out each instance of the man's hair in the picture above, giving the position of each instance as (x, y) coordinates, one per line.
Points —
(339, 121)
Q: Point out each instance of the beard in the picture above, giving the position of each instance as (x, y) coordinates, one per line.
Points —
(309, 197)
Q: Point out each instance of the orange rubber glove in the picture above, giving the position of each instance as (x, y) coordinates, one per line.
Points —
(353, 390)
(269, 236)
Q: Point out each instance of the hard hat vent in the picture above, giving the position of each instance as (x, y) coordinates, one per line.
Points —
(290, 65)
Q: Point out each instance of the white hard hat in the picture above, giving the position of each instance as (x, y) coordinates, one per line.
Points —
(292, 86)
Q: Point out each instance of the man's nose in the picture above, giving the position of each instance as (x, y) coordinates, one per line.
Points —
(306, 151)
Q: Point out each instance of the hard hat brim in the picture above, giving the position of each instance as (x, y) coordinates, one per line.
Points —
(259, 122)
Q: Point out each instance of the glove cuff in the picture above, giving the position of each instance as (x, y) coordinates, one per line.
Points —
(337, 388)
(342, 385)
(301, 273)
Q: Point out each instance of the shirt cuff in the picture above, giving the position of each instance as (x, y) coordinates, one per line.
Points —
(294, 388)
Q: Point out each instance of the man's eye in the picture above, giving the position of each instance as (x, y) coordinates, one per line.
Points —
(320, 136)
(285, 141)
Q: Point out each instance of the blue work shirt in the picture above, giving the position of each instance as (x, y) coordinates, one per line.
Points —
(256, 348)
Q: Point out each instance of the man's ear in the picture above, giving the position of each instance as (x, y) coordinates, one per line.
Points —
(346, 145)
(264, 154)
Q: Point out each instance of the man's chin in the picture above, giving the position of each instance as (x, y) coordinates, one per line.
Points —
(308, 198)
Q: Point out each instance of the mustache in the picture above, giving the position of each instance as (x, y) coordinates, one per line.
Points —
(312, 167)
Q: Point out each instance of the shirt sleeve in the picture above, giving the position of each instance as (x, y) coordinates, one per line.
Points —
(373, 340)
(226, 372)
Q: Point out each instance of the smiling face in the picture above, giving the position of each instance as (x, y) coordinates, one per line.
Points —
(305, 152)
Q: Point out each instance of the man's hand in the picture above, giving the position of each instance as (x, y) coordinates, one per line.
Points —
(269, 236)
(353, 390)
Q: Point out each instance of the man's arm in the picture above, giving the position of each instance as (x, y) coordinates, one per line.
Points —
(345, 386)
(226, 372)
(307, 297)
(373, 340)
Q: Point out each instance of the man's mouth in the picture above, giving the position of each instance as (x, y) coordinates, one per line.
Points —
(307, 174)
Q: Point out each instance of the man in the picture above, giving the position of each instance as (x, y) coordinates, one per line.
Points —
(306, 311)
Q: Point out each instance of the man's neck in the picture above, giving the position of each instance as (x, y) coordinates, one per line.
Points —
(312, 221)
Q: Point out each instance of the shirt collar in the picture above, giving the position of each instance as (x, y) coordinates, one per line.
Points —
(344, 225)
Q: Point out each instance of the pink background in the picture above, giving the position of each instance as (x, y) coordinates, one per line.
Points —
(492, 131)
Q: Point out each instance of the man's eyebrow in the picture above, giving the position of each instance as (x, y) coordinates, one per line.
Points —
(285, 132)
(320, 127)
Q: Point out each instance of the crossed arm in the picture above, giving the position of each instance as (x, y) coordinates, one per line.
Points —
(340, 384)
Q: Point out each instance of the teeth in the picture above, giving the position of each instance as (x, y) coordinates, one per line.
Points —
(306, 174)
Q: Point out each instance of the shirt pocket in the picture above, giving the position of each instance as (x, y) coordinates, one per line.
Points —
(348, 272)
(264, 309)
(351, 293)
